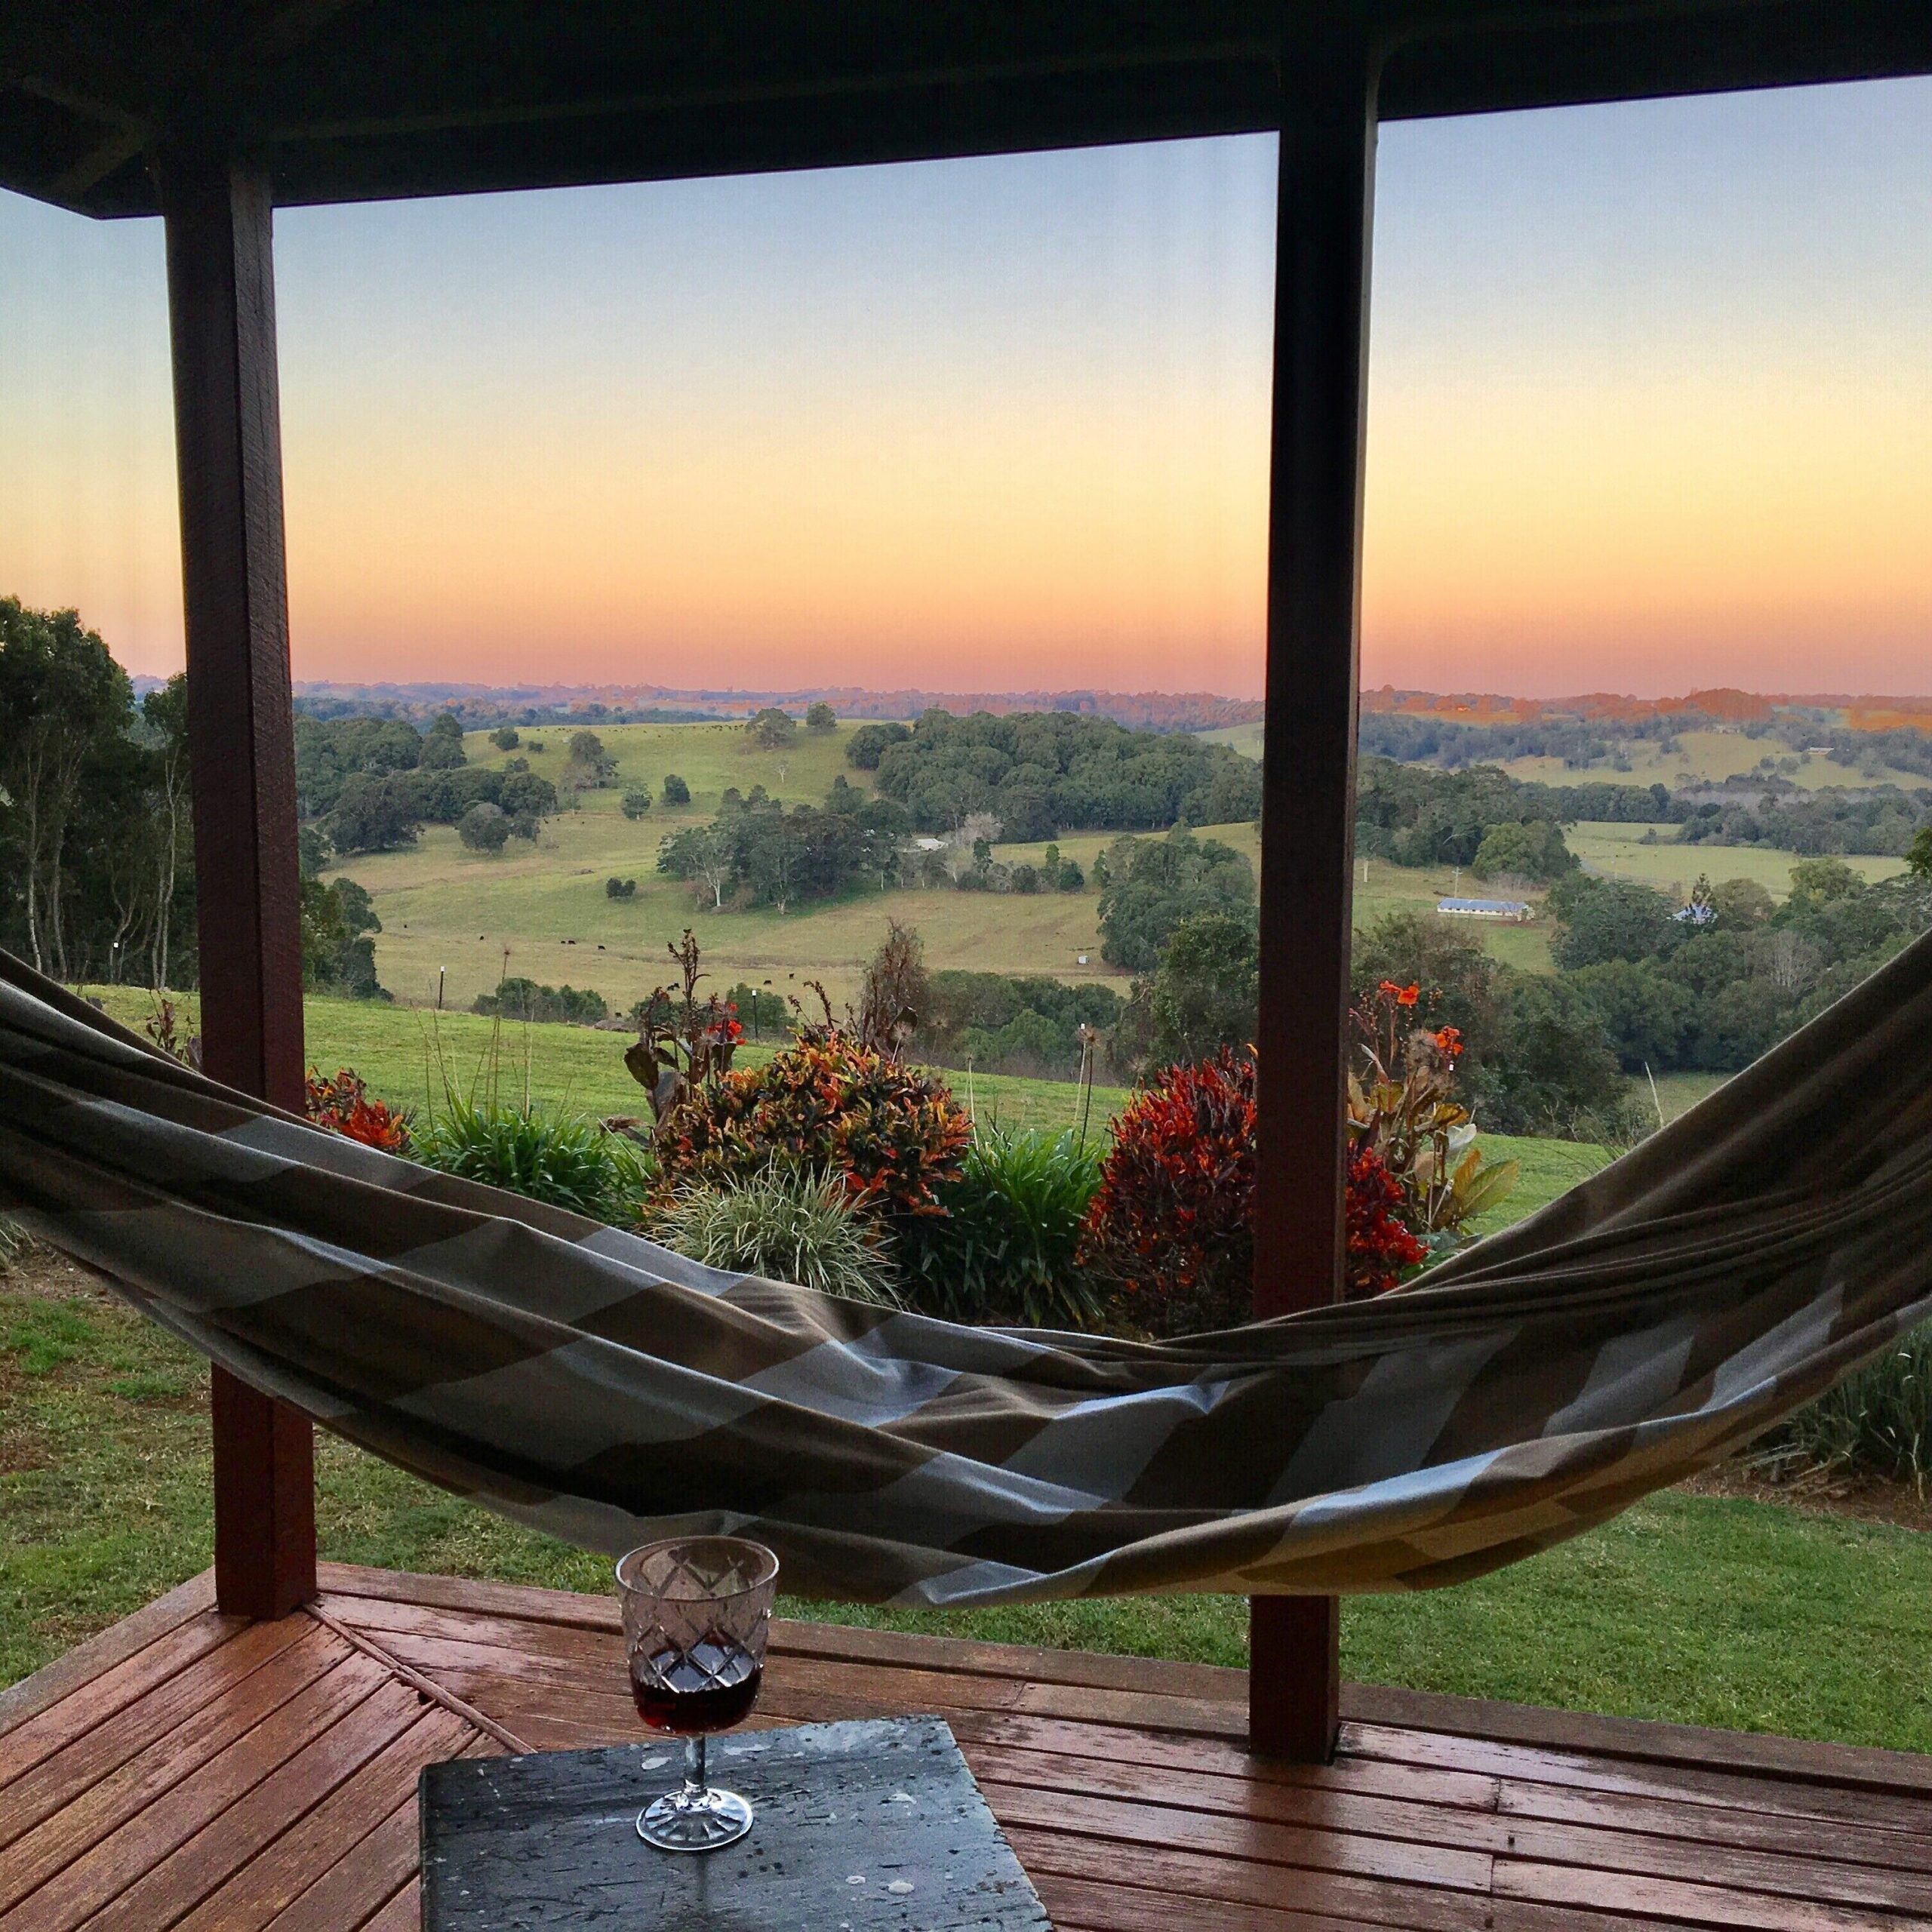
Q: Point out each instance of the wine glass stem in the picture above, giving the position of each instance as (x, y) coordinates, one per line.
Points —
(694, 1766)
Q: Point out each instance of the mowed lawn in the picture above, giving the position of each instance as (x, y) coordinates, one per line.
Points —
(1743, 1614)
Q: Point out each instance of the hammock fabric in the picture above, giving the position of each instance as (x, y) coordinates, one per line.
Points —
(590, 1383)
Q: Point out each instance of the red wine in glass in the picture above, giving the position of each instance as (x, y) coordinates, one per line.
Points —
(710, 1687)
(697, 1612)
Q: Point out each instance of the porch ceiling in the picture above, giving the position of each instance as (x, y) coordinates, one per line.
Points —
(361, 100)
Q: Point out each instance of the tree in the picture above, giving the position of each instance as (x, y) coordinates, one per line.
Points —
(1647, 1019)
(1823, 881)
(1741, 906)
(483, 828)
(1534, 852)
(589, 766)
(701, 854)
(375, 813)
(637, 802)
(442, 747)
(771, 729)
(894, 992)
(1612, 918)
(1206, 995)
(620, 888)
(506, 737)
(868, 744)
(1558, 1074)
(1919, 858)
(1153, 884)
(676, 792)
(63, 701)
(821, 717)
(164, 713)
(336, 955)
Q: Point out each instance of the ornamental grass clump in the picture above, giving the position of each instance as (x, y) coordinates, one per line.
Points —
(568, 1162)
(1878, 1421)
(786, 1224)
(1006, 1248)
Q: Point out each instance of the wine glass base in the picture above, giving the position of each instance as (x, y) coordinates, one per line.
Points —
(713, 1819)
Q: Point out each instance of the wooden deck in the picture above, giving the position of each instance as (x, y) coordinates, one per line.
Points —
(184, 1770)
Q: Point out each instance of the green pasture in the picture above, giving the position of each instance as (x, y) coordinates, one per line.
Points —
(1702, 757)
(710, 758)
(1710, 758)
(1626, 851)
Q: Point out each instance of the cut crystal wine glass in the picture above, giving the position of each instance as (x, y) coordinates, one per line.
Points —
(696, 1612)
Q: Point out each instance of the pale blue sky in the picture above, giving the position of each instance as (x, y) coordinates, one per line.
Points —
(1651, 407)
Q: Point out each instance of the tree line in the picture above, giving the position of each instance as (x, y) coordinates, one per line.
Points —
(96, 845)
(1422, 815)
(1040, 774)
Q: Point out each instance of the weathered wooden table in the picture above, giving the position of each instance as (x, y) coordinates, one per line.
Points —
(860, 1827)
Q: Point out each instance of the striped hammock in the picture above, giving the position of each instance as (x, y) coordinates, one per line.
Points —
(589, 1383)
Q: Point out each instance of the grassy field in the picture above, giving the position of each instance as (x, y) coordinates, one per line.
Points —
(541, 910)
(1702, 757)
(1620, 851)
(463, 918)
(1709, 757)
(1690, 1608)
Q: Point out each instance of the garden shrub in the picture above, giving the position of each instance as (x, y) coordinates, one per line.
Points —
(568, 1162)
(891, 1134)
(787, 1224)
(1403, 1107)
(519, 999)
(1169, 1227)
(343, 1105)
(1006, 1248)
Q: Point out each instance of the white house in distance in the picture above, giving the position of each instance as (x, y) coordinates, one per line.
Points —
(1515, 911)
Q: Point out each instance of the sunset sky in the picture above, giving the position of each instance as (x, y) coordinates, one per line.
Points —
(1650, 409)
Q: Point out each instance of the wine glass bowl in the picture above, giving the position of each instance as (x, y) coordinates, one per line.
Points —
(697, 1610)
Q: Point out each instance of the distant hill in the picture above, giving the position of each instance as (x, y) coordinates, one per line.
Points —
(478, 706)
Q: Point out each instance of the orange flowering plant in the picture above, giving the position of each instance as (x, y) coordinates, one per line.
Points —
(1403, 1107)
(343, 1105)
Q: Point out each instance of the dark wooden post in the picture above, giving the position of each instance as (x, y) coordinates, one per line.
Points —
(242, 739)
(1308, 789)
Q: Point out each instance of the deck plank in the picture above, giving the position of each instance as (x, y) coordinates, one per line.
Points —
(86, 1706)
(365, 1886)
(403, 1913)
(340, 1835)
(170, 1887)
(80, 1802)
(185, 1774)
(104, 1867)
(91, 1660)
